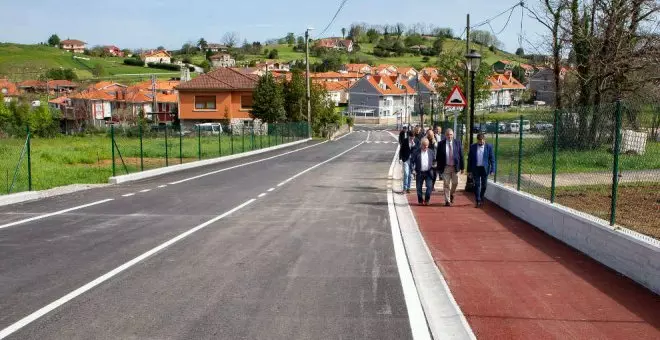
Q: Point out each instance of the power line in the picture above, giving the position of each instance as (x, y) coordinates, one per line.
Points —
(505, 25)
(487, 21)
(341, 6)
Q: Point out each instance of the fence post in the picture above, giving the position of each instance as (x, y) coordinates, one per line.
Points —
(615, 167)
(180, 144)
(199, 142)
(497, 144)
(141, 149)
(29, 158)
(243, 139)
(555, 146)
(167, 156)
(112, 141)
(231, 140)
(282, 126)
(252, 138)
(520, 146)
(220, 144)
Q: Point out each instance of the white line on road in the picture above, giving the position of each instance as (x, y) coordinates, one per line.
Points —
(418, 325)
(368, 135)
(262, 195)
(162, 186)
(316, 166)
(244, 164)
(336, 139)
(54, 213)
(66, 298)
(393, 135)
(271, 189)
(377, 142)
(128, 195)
(145, 190)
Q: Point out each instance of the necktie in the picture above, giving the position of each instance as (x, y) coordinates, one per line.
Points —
(451, 153)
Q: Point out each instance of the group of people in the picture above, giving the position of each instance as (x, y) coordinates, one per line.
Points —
(431, 155)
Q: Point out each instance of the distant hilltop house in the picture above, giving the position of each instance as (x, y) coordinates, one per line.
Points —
(222, 60)
(271, 66)
(216, 48)
(501, 66)
(113, 51)
(159, 57)
(335, 44)
(73, 45)
(359, 68)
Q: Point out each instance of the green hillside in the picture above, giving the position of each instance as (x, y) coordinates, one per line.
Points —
(22, 62)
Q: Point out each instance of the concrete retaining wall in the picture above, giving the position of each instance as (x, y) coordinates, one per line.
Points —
(629, 253)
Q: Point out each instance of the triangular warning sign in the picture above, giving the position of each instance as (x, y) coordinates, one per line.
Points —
(456, 98)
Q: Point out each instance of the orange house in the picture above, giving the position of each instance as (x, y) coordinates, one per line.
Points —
(223, 94)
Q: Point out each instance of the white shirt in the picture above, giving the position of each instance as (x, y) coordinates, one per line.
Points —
(425, 160)
(411, 143)
(480, 154)
(450, 157)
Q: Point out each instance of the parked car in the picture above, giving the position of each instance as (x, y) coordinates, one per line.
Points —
(208, 128)
(543, 126)
(513, 127)
(526, 125)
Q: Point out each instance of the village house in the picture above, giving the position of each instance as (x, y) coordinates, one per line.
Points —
(222, 60)
(502, 66)
(73, 45)
(336, 76)
(430, 71)
(222, 95)
(113, 51)
(271, 66)
(8, 90)
(216, 48)
(426, 87)
(53, 87)
(386, 70)
(159, 57)
(504, 90)
(357, 68)
(381, 99)
(408, 72)
(542, 85)
(337, 91)
(335, 44)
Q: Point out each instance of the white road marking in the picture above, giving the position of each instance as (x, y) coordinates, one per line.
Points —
(244, 164)
(128, 195)
(145, 190)
(162, 186)
(393, 135)
(262, 195)
(72, 295)
(368, 135)
(53, 213)
(377, 142)
(271, 189)
(336, 139)
(316, 166)
(416, 317)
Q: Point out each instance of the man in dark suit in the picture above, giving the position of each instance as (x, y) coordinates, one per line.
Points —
(408, 149)
(450, 162)
(423, 162)
(403, 135)
(481, 164)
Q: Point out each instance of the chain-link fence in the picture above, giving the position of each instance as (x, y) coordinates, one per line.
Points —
(603, 161)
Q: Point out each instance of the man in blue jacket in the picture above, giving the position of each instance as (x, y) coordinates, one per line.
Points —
(481, 164)
(423, 164)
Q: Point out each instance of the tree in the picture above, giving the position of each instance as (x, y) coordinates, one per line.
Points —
(295, 102)
(160, 48)
(355, 32)
(290, 39)
(54, 40)
(300, 44)
(443, 32)
(186, 48)
(438, 45)
(208, 54)
(492, 48)
(520, 52)
(99, 70)
(414, 39)
(230, 39)
(273, 54)
(343, 32)
(519, 73)
(202, 44)
(452, 69)
(126, 52)
(323, 110)
(372, 35)
(398, 29)
(268, 101)
(205, 65)
(61, 74)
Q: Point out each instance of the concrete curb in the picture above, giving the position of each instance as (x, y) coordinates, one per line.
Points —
(36, 195)
(631, 254)
(180, 167)
(444, 317)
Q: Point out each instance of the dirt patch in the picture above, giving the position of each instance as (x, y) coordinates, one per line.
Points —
(638, 206)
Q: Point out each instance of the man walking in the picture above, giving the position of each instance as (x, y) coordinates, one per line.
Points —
(450, 162)
(403, 135)
(423, 162)
(408, 149)
(481, 164)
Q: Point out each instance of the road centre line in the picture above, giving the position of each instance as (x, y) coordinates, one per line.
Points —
(128, 195)
(244, 164)
(145, 190)
(262, 195)
(271, 189)
(162, 186)
(54, 213)
(316, 166)
(68, 297)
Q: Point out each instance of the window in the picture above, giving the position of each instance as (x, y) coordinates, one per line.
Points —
(204, 102)
(246, 102)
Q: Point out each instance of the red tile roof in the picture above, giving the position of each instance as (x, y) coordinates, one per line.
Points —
(333, 86)
(59, 100)
(32, 83)
(72, 42)
(161, 85)
(390, 86)
(8, 88)
(92, 94)
(504, 82)
(221, 79)
(356, 67)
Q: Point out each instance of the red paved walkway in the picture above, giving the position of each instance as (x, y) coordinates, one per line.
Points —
(513, 281)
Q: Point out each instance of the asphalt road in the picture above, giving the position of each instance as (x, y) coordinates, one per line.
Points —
(284, 245)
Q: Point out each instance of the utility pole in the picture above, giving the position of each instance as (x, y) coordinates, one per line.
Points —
(309, 93)
(467, 79)
(153, 93)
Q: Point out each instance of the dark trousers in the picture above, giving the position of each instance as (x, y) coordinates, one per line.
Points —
(480, 183)
(424, 177)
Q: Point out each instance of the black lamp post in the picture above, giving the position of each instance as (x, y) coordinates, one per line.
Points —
(473, 61)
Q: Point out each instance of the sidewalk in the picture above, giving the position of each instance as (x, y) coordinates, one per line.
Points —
(513, 281)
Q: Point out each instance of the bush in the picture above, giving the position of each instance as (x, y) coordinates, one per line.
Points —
(61, 74)
(426, 59)
(171, 67)
(134, 62)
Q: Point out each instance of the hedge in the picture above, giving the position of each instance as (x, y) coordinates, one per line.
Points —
(134, 62)
(171, 67)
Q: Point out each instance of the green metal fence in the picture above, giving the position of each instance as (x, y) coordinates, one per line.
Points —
(603, 161)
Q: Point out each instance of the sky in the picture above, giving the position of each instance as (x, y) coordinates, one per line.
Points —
(171, 23)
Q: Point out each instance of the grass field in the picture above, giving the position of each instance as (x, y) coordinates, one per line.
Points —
(22, 62)
(83, 160)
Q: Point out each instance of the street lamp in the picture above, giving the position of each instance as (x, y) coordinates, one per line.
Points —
(473, 61)
(309, 94)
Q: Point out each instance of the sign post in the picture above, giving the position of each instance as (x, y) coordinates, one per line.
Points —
(456, 98)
